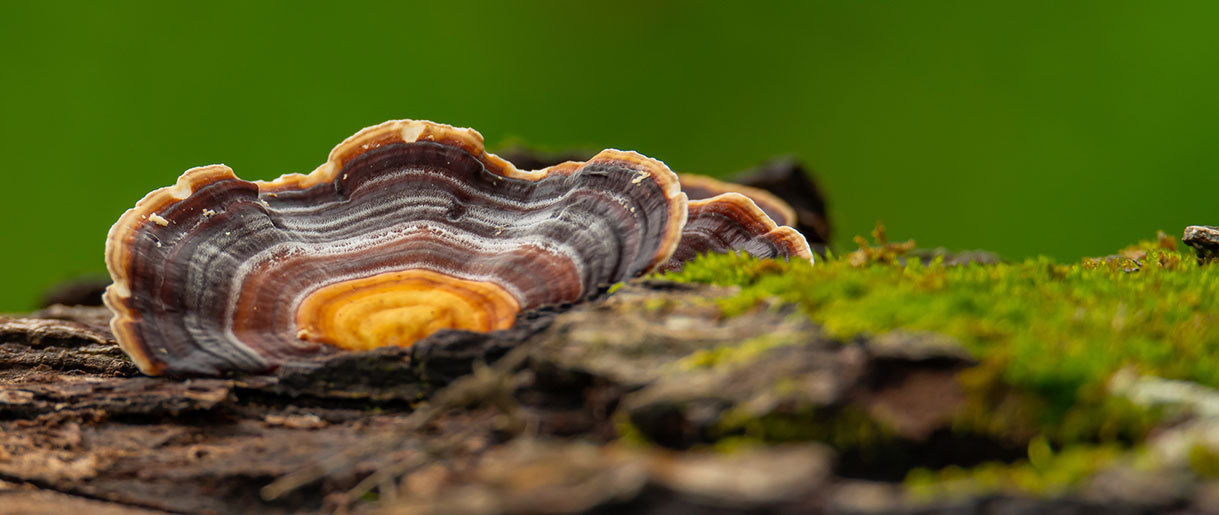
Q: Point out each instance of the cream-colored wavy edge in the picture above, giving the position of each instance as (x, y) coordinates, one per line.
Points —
(780, 232)
(754, 194)
(121, 234)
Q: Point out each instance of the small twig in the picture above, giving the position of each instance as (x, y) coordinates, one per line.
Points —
(486, 385)
(382, 479)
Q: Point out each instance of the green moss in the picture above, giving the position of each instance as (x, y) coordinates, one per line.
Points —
(1048, 335)
(657, 304)
(996, 408)
(845, 428)
(1204, 461)
(1045, 473)
(738, 354)
(628, 433)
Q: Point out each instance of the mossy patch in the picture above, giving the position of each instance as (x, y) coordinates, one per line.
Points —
(1047, 336)
(1204, 461)
(844, 428)
(1052, 331)
(741, 353)
(1045, 474)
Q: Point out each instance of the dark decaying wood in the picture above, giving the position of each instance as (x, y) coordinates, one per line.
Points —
(546, 417)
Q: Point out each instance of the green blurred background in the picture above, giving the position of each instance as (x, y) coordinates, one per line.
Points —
(1057, 128)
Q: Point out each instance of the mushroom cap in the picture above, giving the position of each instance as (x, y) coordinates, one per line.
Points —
(409, 227)
(728, 217)
(732, 222)
(699, 187)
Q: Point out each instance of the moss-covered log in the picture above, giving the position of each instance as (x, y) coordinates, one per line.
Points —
(885, 381)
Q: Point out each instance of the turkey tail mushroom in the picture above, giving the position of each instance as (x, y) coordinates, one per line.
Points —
(409, 227)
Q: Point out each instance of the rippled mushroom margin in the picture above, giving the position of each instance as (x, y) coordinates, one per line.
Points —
(727, 217)
(219, 327)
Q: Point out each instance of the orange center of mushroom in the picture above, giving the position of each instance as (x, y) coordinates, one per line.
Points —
(400, 308)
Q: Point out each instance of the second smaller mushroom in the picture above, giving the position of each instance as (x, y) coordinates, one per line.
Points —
(726, 217)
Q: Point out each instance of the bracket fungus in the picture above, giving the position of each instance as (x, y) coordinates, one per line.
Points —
(726, 217)
(700, 187)
(409, 227)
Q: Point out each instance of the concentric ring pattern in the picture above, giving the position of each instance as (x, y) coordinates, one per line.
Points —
(411, 224)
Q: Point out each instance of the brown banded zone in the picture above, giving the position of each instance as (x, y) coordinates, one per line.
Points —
(731, 222)
(216, 278)
(699, 187)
